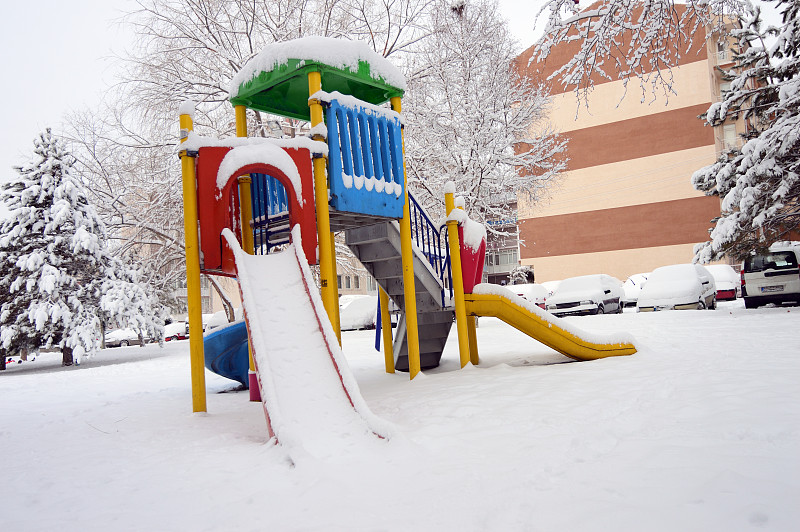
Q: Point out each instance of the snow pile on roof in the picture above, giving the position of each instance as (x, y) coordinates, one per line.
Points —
(337, 53)
(194, 142)
(354, 103)
(254, 154)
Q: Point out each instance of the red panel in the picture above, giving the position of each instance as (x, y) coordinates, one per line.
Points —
(218, 210)
(471, 263)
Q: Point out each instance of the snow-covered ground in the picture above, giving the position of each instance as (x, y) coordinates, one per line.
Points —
(700, 430)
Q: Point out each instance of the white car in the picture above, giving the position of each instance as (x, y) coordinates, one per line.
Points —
(729, 286)
(679, 287)
(587, 294)
(772, 277)
(632, 287)
(122, 338)
(533, 292)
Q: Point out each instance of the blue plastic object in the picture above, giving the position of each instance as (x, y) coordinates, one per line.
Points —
(365, 161)
(226, 352)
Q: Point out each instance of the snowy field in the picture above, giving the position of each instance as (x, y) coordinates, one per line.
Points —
(699, 431)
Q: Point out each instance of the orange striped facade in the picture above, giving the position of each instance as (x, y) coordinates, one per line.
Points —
(626, 204)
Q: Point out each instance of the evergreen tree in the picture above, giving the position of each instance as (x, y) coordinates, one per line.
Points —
(760, 183)
(55, 267)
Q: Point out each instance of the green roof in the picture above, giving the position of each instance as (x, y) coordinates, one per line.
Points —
(283, 90)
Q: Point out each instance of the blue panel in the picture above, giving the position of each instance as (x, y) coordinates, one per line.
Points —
(270, 212)
(365, 161)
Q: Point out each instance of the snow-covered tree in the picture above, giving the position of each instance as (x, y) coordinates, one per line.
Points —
(521, 274)
(472, 119)
(760, 183)
(54, 260)
(629, 39)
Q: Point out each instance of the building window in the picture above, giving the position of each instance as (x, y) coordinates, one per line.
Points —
(339, 281)
(729, 136)
(347, 282)
(357, 282)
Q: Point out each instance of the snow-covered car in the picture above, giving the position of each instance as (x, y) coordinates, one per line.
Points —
(632, 287)
(728, 283)
(679, 287)
(122, 338)
(772, 277)
(177, 330)
(587, 294)
(358, 312)
(533, 292)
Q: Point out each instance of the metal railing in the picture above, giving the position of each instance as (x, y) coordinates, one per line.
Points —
(432, 242)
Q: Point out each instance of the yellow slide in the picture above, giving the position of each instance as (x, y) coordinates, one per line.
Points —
(544, 327)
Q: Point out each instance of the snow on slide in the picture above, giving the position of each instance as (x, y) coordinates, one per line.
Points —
(310, 397)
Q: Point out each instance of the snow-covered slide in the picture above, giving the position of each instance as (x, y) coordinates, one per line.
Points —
(310, 397)
(554, 332)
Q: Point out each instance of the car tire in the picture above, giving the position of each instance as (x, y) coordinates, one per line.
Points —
(600, 310)
(749, 303)
(124, 343)
(175, 338)
(713, 303)
(701, 305)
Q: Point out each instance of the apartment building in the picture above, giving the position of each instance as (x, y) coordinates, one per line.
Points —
(626, 204)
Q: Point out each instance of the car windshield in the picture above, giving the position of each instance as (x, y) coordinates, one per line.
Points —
(774, 260)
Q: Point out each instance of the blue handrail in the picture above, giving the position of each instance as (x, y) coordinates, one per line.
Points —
(432, 242)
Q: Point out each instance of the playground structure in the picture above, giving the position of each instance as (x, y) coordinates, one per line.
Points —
(349, 176)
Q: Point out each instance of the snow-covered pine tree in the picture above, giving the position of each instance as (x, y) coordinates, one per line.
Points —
(760, 183)
(53, 257)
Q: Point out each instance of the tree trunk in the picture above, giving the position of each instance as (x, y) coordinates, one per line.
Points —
(66, 356)
(2, 360)
(226, 302)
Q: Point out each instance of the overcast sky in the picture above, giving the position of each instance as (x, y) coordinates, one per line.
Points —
(57, 56)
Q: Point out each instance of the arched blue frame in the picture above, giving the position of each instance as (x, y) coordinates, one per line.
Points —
(270, 213)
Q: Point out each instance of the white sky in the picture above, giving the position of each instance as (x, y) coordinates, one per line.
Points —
(58, 56)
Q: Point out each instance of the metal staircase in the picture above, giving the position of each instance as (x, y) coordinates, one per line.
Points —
(377, 246)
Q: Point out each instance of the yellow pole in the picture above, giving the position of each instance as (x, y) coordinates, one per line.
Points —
(338, 321)
(473, 340)
(245, 216)
(196, 359)
(471, 327)
(386, 331)
(409, 293)
(327, 252)
(458, 282)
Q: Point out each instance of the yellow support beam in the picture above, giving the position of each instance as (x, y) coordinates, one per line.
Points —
(473, 340)
(458, 282)
(386, 330)
(195, 313)
(406, 251)
(246, 217)
(327, 251)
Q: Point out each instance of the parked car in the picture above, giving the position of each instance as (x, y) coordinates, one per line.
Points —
(587, 294)
(679, 287)
(632, 286)
(727, 280)
(358, 312)
(177, 330)
(122, 338)
(772, 277)
(533, 292)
